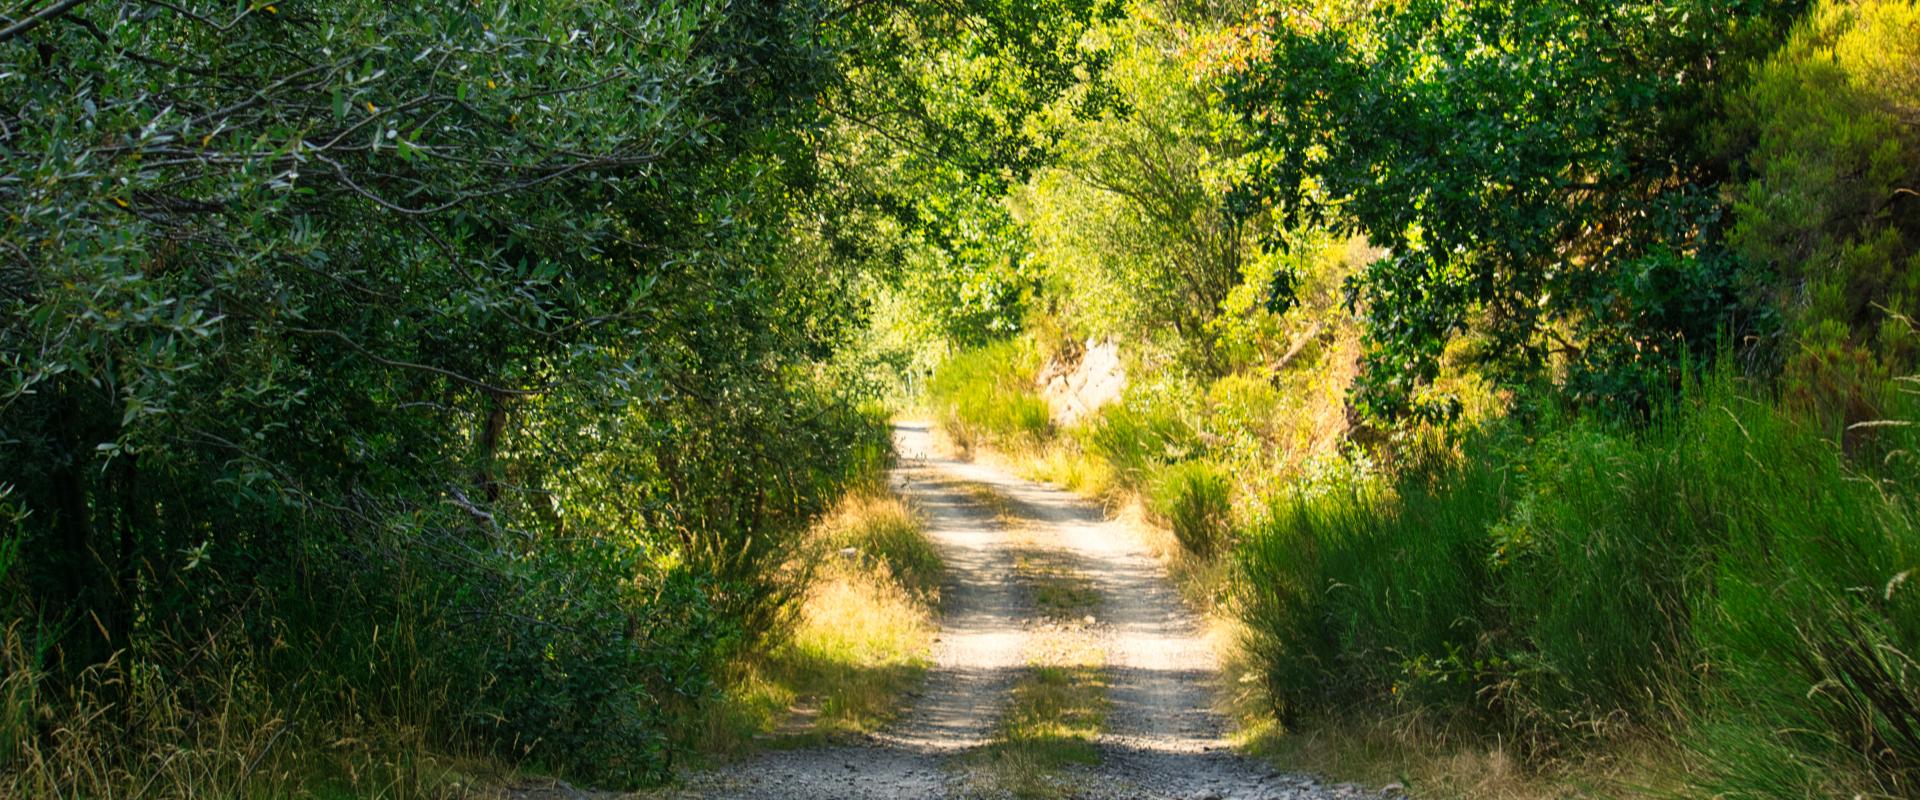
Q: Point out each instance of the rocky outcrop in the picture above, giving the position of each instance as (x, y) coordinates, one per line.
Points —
(1080, 381)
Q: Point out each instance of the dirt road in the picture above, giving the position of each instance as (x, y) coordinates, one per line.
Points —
(1162, 738)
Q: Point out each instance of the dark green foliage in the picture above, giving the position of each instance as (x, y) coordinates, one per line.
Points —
(453, 362)
(1535, 171)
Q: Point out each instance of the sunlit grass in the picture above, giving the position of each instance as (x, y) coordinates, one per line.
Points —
(1068, 467)
(1381, 747)
(986, 397)
(861, 640)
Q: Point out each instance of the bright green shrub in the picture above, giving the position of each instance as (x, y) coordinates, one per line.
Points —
(1195, 499)
(1244, 409)
(986, 396)
(1834, 158)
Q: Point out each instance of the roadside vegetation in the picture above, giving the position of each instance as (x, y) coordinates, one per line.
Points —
(399, 396)
(864, 627)
(1599, 480)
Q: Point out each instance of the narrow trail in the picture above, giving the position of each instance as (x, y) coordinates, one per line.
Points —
(1163, 739)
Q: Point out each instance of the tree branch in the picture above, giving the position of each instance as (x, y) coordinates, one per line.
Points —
(35, 21)
(446, 373)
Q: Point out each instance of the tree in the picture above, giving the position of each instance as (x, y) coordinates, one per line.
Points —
(1536, 172)
(939, 118)
(1130, 224)
(322, 316)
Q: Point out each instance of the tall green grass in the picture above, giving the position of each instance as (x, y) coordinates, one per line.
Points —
(1195, 499)
(986, 397)
(1727, 576)
(1141, 435)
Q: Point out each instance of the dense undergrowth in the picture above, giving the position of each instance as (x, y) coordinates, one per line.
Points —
(417, 671)
(393, 391)
(1728, 577)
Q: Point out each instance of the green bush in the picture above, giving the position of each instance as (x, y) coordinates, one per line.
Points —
(1195, 499)
(986, 396)
(1833, 156)
(1728, 565)
(1140, 435)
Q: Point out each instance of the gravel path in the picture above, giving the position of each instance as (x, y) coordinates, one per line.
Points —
(1164, 741)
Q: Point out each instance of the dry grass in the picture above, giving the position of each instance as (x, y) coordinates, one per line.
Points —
(1054, 719)
(1056, 583)
(123, 730)
(1060, 592)
(865, 626)
(1381, 748)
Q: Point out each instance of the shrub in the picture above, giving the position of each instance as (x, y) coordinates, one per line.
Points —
(1194, 498)
(1728, 564)
(1833, 157)
(423, 441)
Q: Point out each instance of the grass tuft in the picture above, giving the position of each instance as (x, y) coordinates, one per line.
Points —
(987, 397)
(865, 626)
(1194, 498)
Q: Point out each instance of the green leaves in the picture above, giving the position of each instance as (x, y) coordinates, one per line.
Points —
(470, 317)
(1511, 158)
